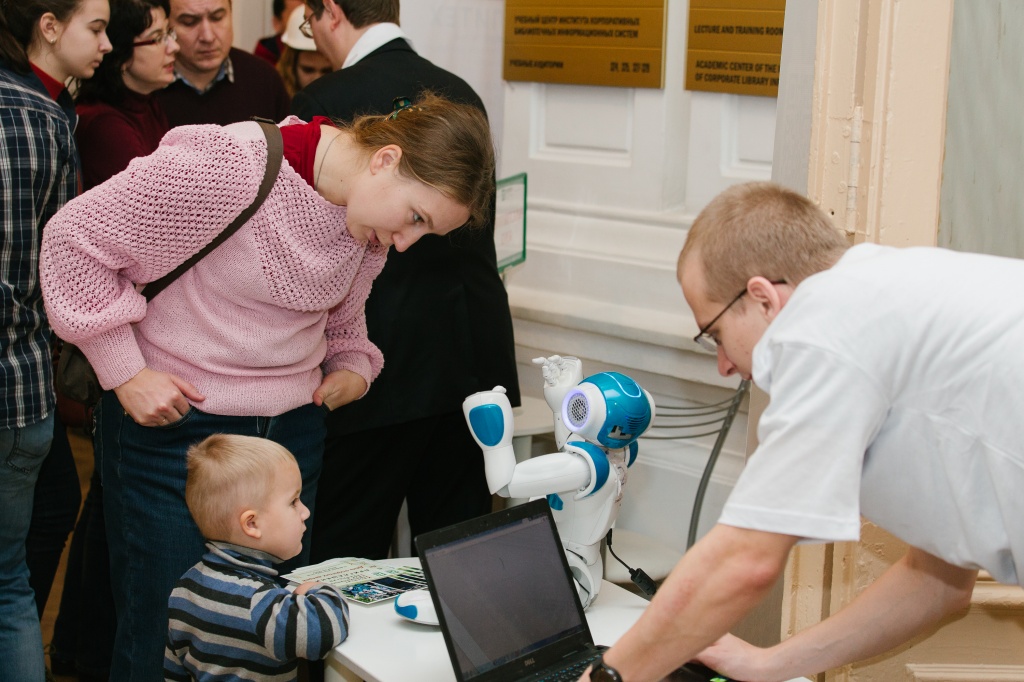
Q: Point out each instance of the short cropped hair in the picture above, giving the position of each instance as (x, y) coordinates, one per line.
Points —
(361, 13)
(760, 229)
(446, 145)
(226, 471)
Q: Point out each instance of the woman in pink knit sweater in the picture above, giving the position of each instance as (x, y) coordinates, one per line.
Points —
(263, 335)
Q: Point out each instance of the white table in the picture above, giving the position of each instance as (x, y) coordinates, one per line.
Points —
(384, 647)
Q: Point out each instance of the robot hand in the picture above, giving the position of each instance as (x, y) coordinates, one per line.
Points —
(560, 376)
(489, 416)
(559, 371)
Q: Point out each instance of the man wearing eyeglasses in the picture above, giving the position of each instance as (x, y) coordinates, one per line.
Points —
(217, 83)
(894, 377)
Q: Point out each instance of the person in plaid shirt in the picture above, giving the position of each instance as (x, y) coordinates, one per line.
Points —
(43, 44)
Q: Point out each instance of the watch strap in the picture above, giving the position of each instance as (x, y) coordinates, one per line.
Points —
(603, 672)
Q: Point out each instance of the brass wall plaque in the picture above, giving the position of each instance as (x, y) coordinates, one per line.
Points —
(586, 42)
(735, 46)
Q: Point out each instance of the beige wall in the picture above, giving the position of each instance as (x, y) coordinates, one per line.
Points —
(877, 140)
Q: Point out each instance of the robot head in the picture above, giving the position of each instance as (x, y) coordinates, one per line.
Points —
(608, 409)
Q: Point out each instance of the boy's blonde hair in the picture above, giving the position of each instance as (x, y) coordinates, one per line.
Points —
(226, 471)
(760, 229)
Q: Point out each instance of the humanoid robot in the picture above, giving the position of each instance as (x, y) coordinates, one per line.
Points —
(597, 423)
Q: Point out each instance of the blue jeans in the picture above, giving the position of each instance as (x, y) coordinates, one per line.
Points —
(22, 452)
(152, 537)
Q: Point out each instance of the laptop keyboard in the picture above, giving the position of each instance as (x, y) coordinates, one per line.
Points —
(570, 674)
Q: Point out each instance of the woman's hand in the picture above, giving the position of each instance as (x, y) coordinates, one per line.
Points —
(154, 398)
(339, 388)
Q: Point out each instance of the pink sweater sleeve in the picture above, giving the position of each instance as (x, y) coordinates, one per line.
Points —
(136, 227)
(347, 343)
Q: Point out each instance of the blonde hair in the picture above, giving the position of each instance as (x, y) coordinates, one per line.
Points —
(445, 145)
(760, 229)
(225, 471)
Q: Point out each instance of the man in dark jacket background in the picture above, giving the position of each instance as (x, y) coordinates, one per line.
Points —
(438, 312)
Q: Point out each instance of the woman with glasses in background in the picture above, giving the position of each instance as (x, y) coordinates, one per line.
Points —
(119, 120)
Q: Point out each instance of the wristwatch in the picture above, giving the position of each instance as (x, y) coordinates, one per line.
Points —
(603, 672)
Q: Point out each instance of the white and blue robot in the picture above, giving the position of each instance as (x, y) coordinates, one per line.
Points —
(597, 423)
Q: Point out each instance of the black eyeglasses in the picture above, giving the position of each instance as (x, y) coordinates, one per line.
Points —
(160, 38)
(316, 10)
(708, 342)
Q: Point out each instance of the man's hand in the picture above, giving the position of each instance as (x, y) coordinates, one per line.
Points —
(735, 658)
(911, 596)
(339, 388)
(154, 398)
(712, 587)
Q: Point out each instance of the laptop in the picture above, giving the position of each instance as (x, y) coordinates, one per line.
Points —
(506, 601)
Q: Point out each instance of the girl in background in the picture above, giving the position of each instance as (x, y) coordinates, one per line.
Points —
(43, 45)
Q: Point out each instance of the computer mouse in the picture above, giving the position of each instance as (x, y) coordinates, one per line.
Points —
(416, 606)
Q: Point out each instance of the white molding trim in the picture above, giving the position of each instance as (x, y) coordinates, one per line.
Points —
(676, 219)
(965, 673)
(689, 458)
(991, 595)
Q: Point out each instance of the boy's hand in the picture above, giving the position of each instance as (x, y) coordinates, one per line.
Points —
(305, 587)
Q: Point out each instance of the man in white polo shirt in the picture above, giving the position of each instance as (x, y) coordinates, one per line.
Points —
(895, 380)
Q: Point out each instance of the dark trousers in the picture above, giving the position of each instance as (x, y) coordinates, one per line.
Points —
(54, 508)
(83, 634)
(433, 463)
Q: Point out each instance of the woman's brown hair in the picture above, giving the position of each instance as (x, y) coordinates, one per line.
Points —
(445, 144)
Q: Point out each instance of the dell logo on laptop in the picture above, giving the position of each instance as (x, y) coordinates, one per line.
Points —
(528, 662)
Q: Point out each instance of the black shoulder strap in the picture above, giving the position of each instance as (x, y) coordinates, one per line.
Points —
(275, 152)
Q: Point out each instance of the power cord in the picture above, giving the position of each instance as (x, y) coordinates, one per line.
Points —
(637, 575)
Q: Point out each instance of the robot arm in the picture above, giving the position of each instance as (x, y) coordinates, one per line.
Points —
(606, 412)
(489, 416)
(581, 468)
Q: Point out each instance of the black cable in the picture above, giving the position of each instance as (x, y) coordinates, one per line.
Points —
(637, 575)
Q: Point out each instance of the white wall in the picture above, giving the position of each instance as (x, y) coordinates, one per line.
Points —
(251, 21)
(616, 177)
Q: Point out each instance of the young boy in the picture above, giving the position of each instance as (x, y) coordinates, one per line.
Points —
(229, 618)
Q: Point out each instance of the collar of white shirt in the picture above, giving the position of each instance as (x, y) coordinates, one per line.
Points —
(375, 36)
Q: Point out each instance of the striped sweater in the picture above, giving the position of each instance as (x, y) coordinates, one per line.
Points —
(230, 620)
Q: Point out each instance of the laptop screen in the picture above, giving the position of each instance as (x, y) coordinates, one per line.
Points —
(503, 591)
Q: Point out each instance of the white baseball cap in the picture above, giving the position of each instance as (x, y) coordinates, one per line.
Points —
(292, 36)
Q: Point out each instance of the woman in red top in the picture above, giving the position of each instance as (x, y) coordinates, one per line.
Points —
(118, 118)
